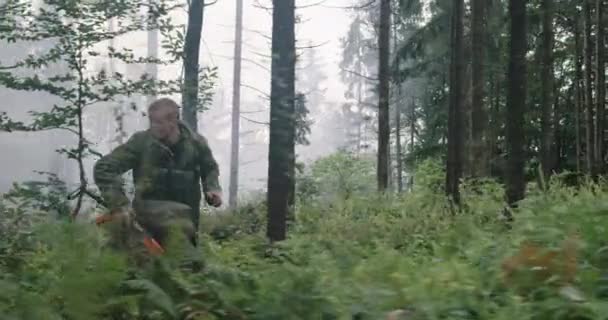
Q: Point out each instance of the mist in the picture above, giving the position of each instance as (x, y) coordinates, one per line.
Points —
(318, 44)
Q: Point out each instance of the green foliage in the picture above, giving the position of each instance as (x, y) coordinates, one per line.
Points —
(353, 257)
(302, 123)
(338, 176)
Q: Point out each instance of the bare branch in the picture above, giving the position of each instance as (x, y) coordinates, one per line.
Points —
(359, 75)
(261, 54)
(254, 121)
(251, 161)
(360, 7)
(209, 4)
(311, 5)
(313, 46)
(255, 111)
(247, 60)
(264, 94)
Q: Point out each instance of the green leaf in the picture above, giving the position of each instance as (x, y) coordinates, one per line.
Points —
(153, 295)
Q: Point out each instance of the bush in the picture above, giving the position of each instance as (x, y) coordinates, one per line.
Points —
(356, 257)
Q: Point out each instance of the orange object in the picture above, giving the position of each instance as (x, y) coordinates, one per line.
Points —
(151, 244)
(103, 219)
(544, 263)
(154, 247)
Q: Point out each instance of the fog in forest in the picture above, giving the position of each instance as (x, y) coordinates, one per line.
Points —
(318, 37)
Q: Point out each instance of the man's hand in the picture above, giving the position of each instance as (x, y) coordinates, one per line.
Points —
(214, 199)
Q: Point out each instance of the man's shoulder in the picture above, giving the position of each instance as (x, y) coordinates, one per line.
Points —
(138, 139)
(198, 138)
(139, 136)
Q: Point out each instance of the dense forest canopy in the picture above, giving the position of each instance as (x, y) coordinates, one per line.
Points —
(378, 159)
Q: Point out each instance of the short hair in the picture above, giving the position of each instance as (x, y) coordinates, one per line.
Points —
(163, 103)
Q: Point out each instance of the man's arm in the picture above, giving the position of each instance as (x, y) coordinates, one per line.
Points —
(108, 170)
(209, 170)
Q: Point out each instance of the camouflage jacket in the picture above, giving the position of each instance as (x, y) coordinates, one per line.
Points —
(159, 172)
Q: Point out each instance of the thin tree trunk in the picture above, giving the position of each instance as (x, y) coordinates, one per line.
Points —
(455, 135)
(412, 132)
(383, 94)
(600, 87)
(191, 64)
(557, 137)
(547, 80)
(152, 68)
(590, 132)
(496, 115)
(516, 102)
(479, 119)
(578, 91)
(359, 119)
(282, 99)
(236, 106)
(398, 151)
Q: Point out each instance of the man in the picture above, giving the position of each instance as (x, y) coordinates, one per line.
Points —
(168, 161)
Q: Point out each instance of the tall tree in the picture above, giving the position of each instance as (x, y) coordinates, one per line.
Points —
(547, 80)
(578, 78)
(600, 86)
(152, 68)
(455, 127)
(516, 102)
(398, 151)
(282, 106)
(590, 132)
(478, 121)
(236, 106)
(383, 94)
(191, 63)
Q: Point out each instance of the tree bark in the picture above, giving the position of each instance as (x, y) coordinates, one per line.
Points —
(578, 91)
(412, 132)
(152, 68)
(590, 132)
(282, 99)
(600, 87)
(455, 127)
(516, 102)
(236, 106)
(191, 63)
(547, 80)
(479, 118)
(398, 152)
(383, 94)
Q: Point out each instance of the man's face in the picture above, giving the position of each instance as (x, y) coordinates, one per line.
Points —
(163, 123)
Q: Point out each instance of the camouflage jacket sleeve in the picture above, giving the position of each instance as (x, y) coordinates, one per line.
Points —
(209, 168)
(109, 169)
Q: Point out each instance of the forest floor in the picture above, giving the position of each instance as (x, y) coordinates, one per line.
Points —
(355, 258)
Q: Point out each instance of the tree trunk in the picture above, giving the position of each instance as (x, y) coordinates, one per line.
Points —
(236, 106)
(191, 65)
(383, 94)
(398, 152)
(547, 80)
(516, 102)
(577, 89)
(152, 68)
(600, 87)
(590, 132)
(555, 159)
(412, 132)
(282, 99)
(478, 119)
(455, 134)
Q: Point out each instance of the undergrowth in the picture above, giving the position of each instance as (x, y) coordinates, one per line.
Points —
(358, 256)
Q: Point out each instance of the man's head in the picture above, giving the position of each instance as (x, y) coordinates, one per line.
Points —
(164, 120)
